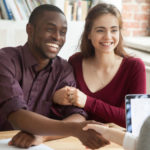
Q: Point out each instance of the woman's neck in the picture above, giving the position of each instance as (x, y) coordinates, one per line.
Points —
(104, 61)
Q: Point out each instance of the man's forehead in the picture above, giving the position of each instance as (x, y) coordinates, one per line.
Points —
(53, 16)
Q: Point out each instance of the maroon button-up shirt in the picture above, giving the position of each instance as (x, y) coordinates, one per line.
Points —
(22, 87)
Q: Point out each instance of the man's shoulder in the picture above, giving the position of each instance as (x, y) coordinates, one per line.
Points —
(10, 52)
(61, 62)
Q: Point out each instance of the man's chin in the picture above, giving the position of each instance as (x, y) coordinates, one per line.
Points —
(52, 56)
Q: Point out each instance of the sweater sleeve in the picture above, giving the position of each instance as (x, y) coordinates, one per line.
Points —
(137, 78)
(129, 142)
(106, 112)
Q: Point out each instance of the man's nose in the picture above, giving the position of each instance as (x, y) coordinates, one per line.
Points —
(56, 35)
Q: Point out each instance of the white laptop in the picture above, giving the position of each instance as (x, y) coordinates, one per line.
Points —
(137, 110)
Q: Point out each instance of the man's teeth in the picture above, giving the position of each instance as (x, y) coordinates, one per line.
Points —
(52, 45)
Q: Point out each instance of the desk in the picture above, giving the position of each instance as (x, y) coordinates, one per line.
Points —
(69, 143)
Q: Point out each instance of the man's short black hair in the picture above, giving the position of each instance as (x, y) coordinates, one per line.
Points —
(40, 9)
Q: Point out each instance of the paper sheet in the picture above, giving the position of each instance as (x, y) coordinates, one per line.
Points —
(4, 146)
(140, 110)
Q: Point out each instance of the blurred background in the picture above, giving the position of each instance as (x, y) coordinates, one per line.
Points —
(14, 16)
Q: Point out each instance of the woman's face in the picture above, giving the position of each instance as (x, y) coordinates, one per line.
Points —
(104, 34)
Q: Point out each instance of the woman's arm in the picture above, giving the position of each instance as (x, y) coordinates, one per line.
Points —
(125, 139)
(91, 105)
(111, 134)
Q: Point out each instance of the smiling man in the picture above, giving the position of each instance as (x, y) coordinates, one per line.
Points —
(30, 75)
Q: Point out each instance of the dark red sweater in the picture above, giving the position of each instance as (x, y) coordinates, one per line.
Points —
(108, 104)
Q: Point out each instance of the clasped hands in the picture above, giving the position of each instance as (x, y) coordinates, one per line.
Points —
(84, 133)
(70, 96)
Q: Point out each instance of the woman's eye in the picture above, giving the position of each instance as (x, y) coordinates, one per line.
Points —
(114, 31)
(63, 32)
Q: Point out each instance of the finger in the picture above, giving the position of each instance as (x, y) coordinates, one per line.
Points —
(70, 98)
(19, 141)
(92, 126)
(71, 90)
(98, 141)
(10, 142)
(28, 143)
(85, 128)
(67, 102)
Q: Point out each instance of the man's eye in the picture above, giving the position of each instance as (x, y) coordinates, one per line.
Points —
(50, 29)
(100, 31)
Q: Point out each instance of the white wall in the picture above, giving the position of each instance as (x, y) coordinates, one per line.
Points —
(13, 33)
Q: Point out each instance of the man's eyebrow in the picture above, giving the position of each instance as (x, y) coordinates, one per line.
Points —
(51, 24)
(54, 25)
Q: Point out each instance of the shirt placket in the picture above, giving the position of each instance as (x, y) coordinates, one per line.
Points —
(35, 89)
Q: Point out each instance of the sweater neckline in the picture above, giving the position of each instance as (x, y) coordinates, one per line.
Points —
(108, 85)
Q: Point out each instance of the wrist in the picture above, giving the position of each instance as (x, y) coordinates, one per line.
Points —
(77, 127)
(84, 101)
(45, 138)
(81, 103)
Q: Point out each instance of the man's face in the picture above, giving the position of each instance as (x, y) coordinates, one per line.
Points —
(49, 34)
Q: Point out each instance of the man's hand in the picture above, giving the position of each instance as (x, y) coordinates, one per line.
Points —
(26, 140)
(90, 138)
(61, 96)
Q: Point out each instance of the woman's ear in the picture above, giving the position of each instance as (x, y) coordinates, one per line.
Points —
(89, 36)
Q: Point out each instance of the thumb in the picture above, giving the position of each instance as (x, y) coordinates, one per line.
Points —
(85, 128)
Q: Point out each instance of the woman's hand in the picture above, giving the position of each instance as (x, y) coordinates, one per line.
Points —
(70, 96)
(76, 97)
(101, 129)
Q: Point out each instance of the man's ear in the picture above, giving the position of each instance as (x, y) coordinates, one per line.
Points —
(29, 29)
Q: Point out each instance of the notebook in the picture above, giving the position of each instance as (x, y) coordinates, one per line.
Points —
(4, 146)
(137, 110)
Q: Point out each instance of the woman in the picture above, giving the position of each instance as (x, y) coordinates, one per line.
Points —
(127, 140)
(104, 72)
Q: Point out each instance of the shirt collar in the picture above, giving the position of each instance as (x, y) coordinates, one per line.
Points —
(30, 60)
(28, 57)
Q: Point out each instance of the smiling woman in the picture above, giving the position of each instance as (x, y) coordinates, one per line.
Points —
(104, 34)
(104, 72)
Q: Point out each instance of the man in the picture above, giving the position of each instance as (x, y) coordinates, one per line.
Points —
(29, 77)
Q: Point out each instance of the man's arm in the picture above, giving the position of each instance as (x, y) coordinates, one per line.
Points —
(71, 118)
(39, 125)
(26, 140)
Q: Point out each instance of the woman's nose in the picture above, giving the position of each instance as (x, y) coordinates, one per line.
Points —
(108, 35)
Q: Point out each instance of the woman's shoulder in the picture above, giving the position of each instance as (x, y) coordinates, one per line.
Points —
(134, 61)
(77, 57)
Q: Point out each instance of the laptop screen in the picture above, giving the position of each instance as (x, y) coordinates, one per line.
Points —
(137, 110)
